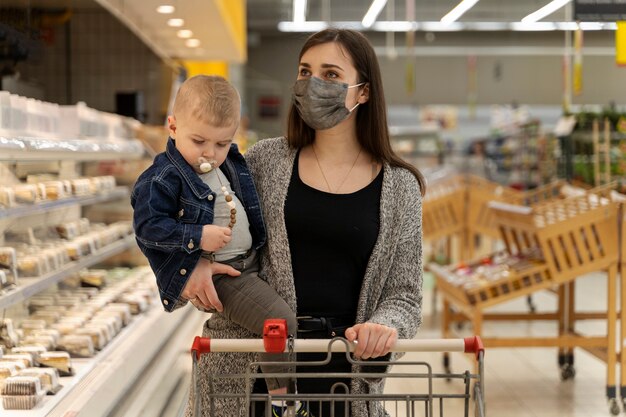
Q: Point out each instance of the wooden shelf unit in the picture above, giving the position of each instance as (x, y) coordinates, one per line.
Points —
(561, 240)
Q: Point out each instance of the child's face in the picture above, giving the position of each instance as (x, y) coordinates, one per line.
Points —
(196, 139)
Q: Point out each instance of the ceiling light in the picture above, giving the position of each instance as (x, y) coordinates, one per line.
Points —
(372, 13)
(299, 11)
(192, 43)
(165, 9)
(302, 27)
(175, 23)
(546, 10)
(458, 11)
(184, 33)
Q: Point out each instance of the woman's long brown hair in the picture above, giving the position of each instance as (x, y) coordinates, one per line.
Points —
(371, 118)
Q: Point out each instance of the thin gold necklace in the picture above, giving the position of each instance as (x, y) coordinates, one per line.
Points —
(324, 176)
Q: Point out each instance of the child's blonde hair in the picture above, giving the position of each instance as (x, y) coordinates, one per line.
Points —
(208, 98)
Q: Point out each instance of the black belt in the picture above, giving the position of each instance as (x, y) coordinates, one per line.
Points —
(332, 326)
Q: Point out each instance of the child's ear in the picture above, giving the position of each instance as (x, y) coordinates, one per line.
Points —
(171, 125)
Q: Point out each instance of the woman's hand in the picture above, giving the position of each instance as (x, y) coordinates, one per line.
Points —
(373, 340)
(200, 289)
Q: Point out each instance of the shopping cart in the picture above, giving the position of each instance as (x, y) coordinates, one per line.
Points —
(436, 389)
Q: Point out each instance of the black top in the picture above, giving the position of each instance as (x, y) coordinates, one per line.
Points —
(331, 237)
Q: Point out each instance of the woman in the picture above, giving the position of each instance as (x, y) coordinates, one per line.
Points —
(343, 215)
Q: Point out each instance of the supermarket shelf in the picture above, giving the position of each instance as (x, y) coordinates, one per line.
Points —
(46, 206)
(16, 149)
(30, 286)
(101, 381)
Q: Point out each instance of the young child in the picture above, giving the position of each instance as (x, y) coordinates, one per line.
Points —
(197, 204)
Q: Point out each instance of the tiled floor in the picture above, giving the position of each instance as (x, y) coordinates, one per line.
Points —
(523, 382)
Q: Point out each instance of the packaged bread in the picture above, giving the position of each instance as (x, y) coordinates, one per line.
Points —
(54, 190)
(30, 266)
(68, 230)
(7, 197)
(67, 186)
(49, 378)
(42, 195)
(79, 346)
(25, 193)
(107, 182)
(81, 186)
(61, 361)
(89, 292)
(22, 393)
(95, 185)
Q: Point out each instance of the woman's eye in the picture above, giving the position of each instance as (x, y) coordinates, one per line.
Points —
(331, 74)
(304, 72)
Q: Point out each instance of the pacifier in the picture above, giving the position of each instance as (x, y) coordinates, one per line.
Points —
(204, 165)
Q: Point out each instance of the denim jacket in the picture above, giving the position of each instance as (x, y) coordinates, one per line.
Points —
(171, 205)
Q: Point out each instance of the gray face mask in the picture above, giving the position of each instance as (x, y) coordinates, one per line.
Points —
(321, 104)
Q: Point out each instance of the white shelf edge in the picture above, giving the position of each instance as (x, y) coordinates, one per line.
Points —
(46, 206)
(27, 287)
(17, 155)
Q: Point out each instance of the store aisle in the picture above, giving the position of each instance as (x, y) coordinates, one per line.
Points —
(525, 382)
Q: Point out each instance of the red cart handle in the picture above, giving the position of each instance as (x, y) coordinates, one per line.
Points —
(200, 346)
(475, 345)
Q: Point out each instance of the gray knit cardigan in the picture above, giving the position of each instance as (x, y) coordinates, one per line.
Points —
(392, 287)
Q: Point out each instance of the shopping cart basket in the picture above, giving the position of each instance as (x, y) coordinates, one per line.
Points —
(436, 389)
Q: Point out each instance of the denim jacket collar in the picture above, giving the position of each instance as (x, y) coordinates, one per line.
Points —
(199, 188)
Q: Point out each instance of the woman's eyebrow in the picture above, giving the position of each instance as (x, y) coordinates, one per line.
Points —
(331, 66)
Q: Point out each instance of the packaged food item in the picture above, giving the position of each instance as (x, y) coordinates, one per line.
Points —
(84, 225)
(8, 336)
(95, 278)
(137, 303)
(30, 266)
(7, 369)
(61, 361)
(55, 190)
(7, 197)
(123, 310)
(68, 230)
(95, 185)
(28, 326)
(25, 193)
(22, 393)
(81, 186)
(78, 346)
(46, 341)
(35, 350)
(25, 358)
(111, 318)
(42, 195)
(65, 327)
(8, 257)
(98, 335)
(50, 317)
(40, 302)
(107, 182)
(52, 333)
(49, 377)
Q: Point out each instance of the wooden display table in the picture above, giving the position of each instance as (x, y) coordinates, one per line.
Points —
(548, 246)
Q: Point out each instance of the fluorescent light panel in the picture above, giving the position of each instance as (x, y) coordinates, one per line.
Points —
(546, 10)
(404, 26)
(184, 33)
(299, 11)
(175, 23)
(372, 13)
(460, 9)
(165, 9)
(192, 43)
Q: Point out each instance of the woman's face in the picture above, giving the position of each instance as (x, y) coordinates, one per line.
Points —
(330, 62)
